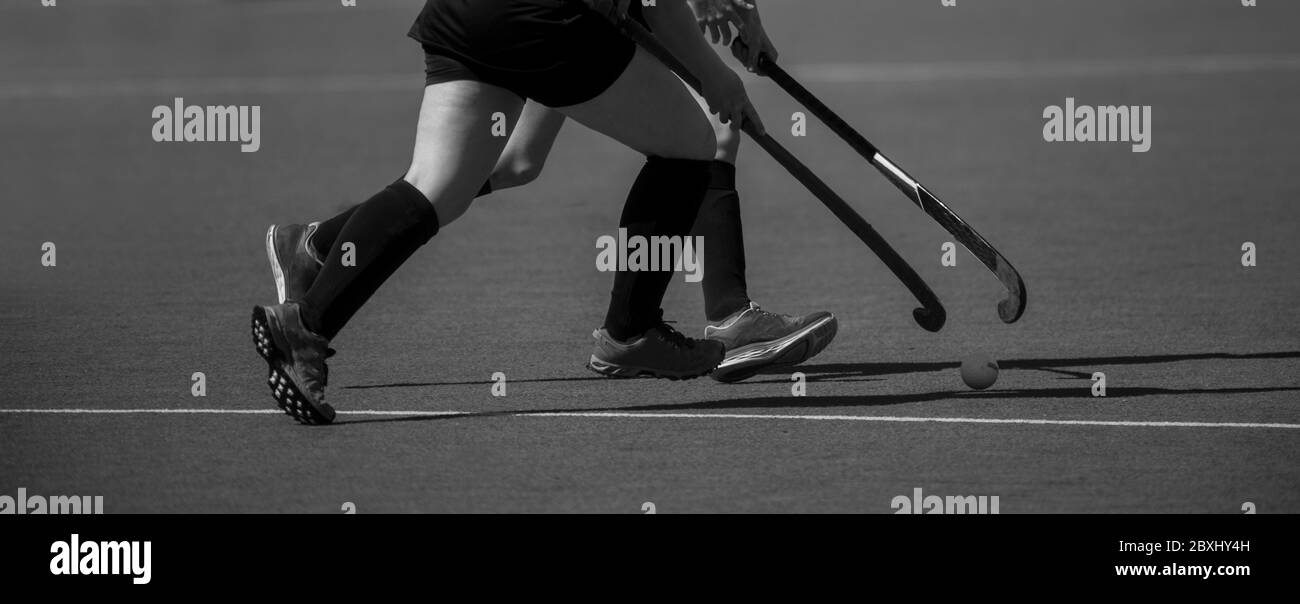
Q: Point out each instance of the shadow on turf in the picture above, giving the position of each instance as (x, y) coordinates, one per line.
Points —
(832, 372)
(829, 372)
(594, 378)
(831, 402)
(865, 371)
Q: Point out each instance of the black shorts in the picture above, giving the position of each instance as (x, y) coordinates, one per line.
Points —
(555, 52)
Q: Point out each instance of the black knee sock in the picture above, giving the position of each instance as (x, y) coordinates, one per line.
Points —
(725, 290)
(328, 230)
(664, 201)
(385, 231)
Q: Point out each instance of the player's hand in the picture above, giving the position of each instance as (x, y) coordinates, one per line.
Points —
(717, 17)
(725, 93)
(753, 43)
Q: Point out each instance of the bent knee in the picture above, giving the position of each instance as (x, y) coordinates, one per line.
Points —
(516, 174)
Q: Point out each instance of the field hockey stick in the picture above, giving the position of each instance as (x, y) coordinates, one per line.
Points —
(931, 316)
(1010, 308)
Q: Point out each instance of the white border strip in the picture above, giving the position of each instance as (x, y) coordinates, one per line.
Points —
(685, 416)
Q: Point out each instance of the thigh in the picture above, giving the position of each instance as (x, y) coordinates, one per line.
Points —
(651, 111)
(455, 146)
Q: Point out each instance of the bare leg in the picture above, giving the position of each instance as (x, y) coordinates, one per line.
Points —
(455, 150)
(525, 153)
(534, 136)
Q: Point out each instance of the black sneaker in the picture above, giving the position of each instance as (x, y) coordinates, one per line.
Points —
(296, 360)
(294, 264)
(660, 352)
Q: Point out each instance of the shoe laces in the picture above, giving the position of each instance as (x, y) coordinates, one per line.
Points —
(674, 337)
(769, 314)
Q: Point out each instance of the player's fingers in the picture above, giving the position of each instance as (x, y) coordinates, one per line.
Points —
(726, 35)
(752, 53)
(715, 32)
(736, 114)
(740, 50)
(736, 18)
(718, 110)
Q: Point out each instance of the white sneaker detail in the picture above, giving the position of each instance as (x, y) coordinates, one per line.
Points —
(729, 321)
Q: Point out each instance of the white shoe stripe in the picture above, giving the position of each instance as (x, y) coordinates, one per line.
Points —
(275, 264)
(730, 322)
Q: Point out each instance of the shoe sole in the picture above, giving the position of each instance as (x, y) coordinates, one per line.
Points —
(286, 394)
(626, 372)
(274, 257)
(747, 361)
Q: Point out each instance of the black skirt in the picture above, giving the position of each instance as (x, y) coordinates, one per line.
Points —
(555, 52)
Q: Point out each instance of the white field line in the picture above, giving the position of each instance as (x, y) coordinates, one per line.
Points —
(219, 412)
(827, 73)
(686, 416)
(918, 420)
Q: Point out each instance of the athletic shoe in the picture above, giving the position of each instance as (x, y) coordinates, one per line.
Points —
(296, 358)
(757, 339)
(293, 263)
(660, 352)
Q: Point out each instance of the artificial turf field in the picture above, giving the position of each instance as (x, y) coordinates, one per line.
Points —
(1132, 262)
